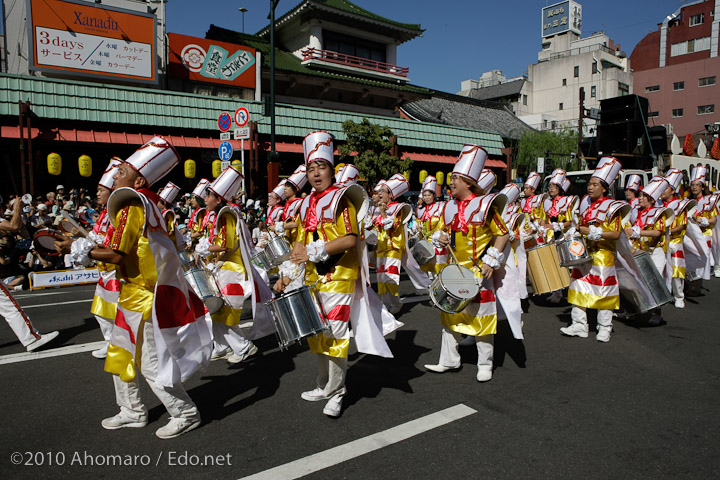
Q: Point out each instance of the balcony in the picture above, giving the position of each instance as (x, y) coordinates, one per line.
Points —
(366, 67)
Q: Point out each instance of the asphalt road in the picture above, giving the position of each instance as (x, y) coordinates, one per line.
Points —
(644, 405)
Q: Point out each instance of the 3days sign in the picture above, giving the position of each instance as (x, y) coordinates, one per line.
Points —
(211, 61)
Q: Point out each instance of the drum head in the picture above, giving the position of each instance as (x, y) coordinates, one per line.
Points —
(44, 241)
(67, 227)
(459, 281)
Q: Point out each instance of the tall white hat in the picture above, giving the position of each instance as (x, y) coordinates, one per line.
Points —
(318, 146)
(154, 160)
(430, 184)
(350, 175)
(674, 176)
(607, 169)
(338, 174)
(169, 192)
(397, 184)
(201, 188)
(107, 179)
(470, 162)
(227, 184)
(512, 192)
(634, 182)
(487, 180)
(655, 188)
(299, 177)
(379, 185)
(699, 174)
(557, 177)
(566, 185)
(279, 190)
(533, 180)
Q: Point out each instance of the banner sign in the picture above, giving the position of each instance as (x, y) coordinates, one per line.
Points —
(92, 39)
(62, 278)
(561, 17)
(211, 61)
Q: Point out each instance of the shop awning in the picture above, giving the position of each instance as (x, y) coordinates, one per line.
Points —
(435, 158)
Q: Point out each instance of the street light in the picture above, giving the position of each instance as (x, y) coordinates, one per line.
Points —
(243, 10)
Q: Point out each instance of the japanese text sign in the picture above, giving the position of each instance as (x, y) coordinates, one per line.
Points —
(561, 17)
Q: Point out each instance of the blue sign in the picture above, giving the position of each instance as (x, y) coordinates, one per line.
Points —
(225, 151)
(561, 17)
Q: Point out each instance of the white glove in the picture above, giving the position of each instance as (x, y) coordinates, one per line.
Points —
(556, 226)
(703, 222)
(525, 235)
(187, 239)
(316, 251)
(80, 250)
(387, 223)
(96, 237)
(635, 231)
(595, 233)
(511, 235)
(203, 247)
(293, 271)
(571, 232)
(435, 239)
(368, 222)
(211, 267)
(493, 258)
(280, 228)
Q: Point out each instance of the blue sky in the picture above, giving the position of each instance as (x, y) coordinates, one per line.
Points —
(462, 39)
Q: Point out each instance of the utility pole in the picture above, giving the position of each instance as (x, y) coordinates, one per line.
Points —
(580, 117)
(273, 154)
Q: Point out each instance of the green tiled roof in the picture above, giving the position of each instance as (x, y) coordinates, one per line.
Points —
(286, 61)
(165, 110)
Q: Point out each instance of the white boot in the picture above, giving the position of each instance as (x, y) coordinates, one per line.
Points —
(578, 327)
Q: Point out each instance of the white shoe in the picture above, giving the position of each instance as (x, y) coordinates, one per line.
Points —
(575, 330)
(42, 341)
(101, 352)
(603, 335)
(176, 427)
(679, 303)
(440, 368)
(716, 273)
(243, 356)
(315, 395)
(484, 373)
(334, 406)
(122, 420)
(219, 355)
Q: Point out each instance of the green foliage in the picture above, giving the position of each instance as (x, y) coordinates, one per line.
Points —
(534, 144)
(373, 144)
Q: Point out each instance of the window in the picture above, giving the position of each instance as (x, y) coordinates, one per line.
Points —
(652, 88)
(690, 46)
(697, 19)
(524, 99)
(653, 114)
(705, 109)
(593, 91)
(560, 107)
(564, 82)
(677, 112)
(594, 67)
(357, 47)
(623, 89)
(706, 82)
(576, 72)
(553, 125)
(678, 86)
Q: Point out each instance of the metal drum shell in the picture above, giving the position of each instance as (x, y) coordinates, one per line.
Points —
(205, 287)
(278, 250)
(261, 260)
(572, 251)
(371, 240)
(296, 315)
(447, 301)
(544, 270)
(423, 252)
(653, 281)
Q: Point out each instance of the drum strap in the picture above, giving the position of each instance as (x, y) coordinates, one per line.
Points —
(323, 268)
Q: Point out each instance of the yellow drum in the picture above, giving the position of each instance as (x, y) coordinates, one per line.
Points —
(544, 270)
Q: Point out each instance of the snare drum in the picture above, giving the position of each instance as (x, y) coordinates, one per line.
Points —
(262, 261)
(277, 250)
(44, 241)
(204, 285)
(423, 252)
(453, 289)
(546, 274)
(296, 315)
(67, 228)
(572, 251)
(371, 240)
(186, 261)
(652, 280)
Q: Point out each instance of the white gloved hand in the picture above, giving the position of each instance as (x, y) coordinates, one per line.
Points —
(280, 228)
(556, 226)
(595, 233)
(703, 222)
(316, 251)
(435, 239)
(493, 258)
(211, 267)
(293, 271)
(571, 232)
(80, 251)
(368, 222)
(387, 223)
(635, 231)
(511, 235)
(203, 247)
(96, 237)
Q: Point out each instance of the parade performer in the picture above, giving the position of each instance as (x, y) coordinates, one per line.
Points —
(329, 246)
(594, 285)
(168, 194)
(160, 326)
(532, 207)
(275, 205)
(707, 211)
(429, 214)
(478, 237)
(557, 208)
(295, 183)
(633, 186)
(197, 216)
(680, 207)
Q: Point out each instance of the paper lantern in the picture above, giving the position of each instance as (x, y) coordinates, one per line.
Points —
(237, 165)
(85, 165)
(440, 178)
(406, 174)
(423, 175)
(54, 164)
(189, 168)
(216, 167)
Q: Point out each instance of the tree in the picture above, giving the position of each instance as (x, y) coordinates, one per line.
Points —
(373, 145)
(534, 144)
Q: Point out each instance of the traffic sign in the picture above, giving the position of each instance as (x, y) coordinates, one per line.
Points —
(224, 135)
(224, 165)
(225, 151)
(242, 133)
(224, 122)
(242, 116)
(540, 165)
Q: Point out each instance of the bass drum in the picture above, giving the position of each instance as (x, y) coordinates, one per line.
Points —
(296, 315)
(453, 289)
(546, 274)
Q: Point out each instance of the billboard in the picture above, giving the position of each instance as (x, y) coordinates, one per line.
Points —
(561, 17)
(91, 39)
(211, 61)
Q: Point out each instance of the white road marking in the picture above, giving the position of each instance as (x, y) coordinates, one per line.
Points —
(341, 453)
(55, 352)
(53, 304)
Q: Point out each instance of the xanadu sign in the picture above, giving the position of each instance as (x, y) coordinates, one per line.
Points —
(211, 61)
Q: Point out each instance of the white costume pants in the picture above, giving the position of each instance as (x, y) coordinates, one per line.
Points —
(106, 326)
(678, 287)
(127, 394)
(233, 337)
(604, 318)
(450, 356)
(16, 318)
(331, 374)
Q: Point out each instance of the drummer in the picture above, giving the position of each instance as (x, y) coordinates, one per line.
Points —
(557, 209)
(197, 216)
(707, 211)
(167, 196)
(594, 285)
(295, 183)
(532, 205)
(225, 262)
(275, 205)
(478, 237)
(633, 186)
(428, 214)
(649, 230)
(677, 233)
